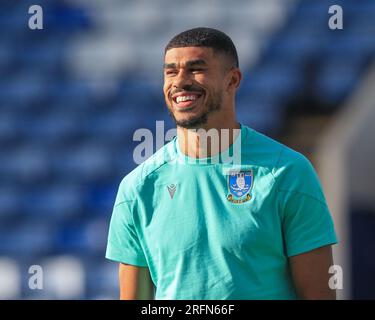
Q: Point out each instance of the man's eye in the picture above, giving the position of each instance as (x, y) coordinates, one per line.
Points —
(170, 72)
(196, 70)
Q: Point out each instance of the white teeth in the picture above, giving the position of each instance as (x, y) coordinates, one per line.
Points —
(185, 98)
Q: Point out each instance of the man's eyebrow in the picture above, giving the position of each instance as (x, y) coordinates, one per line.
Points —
(197, 62)
(170, 66)
(190, 63)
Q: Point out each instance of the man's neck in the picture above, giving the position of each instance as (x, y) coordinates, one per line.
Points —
(207, 141)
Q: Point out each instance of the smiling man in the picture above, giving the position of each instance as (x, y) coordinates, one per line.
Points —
(205, 227)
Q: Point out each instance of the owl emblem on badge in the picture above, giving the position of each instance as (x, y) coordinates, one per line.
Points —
(239, 185)
(241, 181)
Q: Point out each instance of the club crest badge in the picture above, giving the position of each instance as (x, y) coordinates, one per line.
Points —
(239, 185)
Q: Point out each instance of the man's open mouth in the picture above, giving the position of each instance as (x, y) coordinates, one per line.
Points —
(186, 100)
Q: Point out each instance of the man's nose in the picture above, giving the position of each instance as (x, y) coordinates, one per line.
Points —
(182, 79)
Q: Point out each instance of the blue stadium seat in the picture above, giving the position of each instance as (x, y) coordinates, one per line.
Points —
(10, 133)
(30, 238)
(71, 238)
(22, 90)
(53, 128)
(69, 91)
(45, 54)
(9, 202)
(101, 198)
(272, 81)
(123, 160)
(82, 163)
(312, 13)
(261, 115)
(6, 54)
(14, 18)
(24, 164)
(351, 46)
(102, 280)
(86, 236)
(53, 203)
(336, 79)
(117, 125)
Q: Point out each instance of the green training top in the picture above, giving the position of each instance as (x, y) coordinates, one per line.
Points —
(208, 229)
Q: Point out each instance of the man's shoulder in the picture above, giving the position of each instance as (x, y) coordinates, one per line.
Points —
(291, 170)
(134, 180)
(283, 162)
(265, 150)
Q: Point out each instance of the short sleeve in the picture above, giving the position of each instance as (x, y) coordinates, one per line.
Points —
(307, 224)
(306, 220)
(123, 243)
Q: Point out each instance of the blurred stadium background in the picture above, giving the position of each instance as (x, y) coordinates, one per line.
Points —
(72, 95)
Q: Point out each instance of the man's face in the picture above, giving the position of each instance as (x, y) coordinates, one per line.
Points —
(193, 84)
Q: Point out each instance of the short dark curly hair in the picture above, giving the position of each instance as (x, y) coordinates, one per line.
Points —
(205, 37)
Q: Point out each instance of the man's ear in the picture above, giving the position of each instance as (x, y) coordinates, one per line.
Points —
(234, 80)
